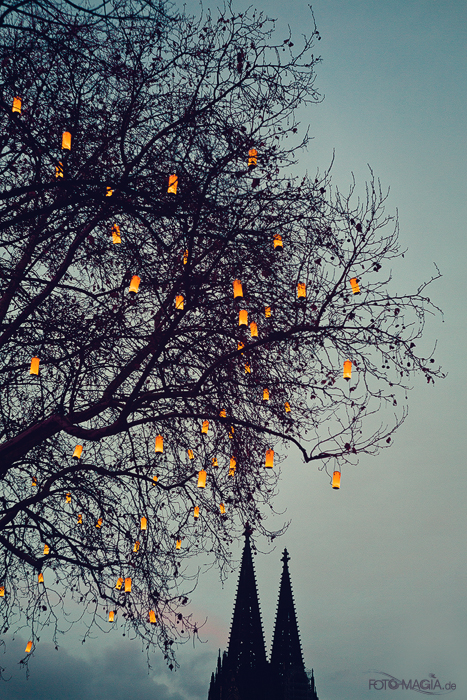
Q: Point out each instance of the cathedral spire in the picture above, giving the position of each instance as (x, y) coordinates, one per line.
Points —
(286, 651)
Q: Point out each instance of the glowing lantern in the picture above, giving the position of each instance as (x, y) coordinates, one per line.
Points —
(347, 370)
(267, 311)
(119, 584)
(80, 519)
(278, 242)
(66, 141)
(16, 105)
(155, 479)
(205, 427)
(144, 524)
(173, 182)
(134, 284)
(269, 458)
(202, 479)
(253, 329)
(233, 466)
(68, 497)
(336, 480)
(128, 585)
(116, 234)
(223, 413)
(185, 257)
(231, 432)
(265, 394)
(252, 158)
(178, 545)
(2, 591)
(196, 513)
(34, 369)
(112, 616)
(354, 285)
(179, 303)
(240, 345)
(40, 578)
(159, 444)
(243, 318)
(46, 549)
(222, 508)
(152, 617)
(78, 451)
(99, 523)
(237, 289)
(28, 647)
(136, 546)
(247, 369)
(215, 463)
(190, 454)
(109, 192)
(34, 481)
(59, 170)
(287, 407)
(301, 290)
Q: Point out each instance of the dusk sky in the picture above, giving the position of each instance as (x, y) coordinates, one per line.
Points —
(378, 568)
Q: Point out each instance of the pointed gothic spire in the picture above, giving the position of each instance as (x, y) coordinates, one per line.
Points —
(286, 654)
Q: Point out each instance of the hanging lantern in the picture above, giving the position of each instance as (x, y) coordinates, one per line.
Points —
(179, 303)
(190, 454)
(237, 289)
(40, 578)
(205, 427)
(34, 481)
(202, 479)
(46, 549)
(215, 462)
(109, 192)
(243, 317)
(301, 290)
(59, 170)
(223, 413)
(265, 394)
(253, 329)
(66, 141)
(336, 480)
(112, 616)
(222, 508)
(68, 497)
(152, 617)
(267, 311)
(240, 345)
(247, 369)
(34, 369)
(278, 245)
(80, 519)
(16, 105)
(155, 479)
(269, 458)
(116, 234)
(144, 524)
(185, 257)
(78, 451)
(28, 647)
(252, 158)
(178, 545)
(196, 513)
(231, 432)
(119, 584)
(136, 546)
(134, 284)
(2, 591)
(233, 466)
(128, 585)
(287, 407)
(173, 182)
(354, 285)
(347, 370)
(99, 523)
(159, 444)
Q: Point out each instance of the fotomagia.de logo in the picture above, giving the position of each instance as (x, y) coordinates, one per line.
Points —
(427, 686)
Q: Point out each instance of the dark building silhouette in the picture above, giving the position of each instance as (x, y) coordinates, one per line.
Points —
(243, 672)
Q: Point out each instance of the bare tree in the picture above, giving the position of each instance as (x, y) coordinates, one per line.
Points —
(175, 302)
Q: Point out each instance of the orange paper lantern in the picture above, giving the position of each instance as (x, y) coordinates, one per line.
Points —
(202, 479)
(34, 369)
(134, 284)
(173, 182)
(347, 370)
(66, 141)
(336, 480)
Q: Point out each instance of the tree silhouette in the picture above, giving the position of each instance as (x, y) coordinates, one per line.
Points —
(142, 147)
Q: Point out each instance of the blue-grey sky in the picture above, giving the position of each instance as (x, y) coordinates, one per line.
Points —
(378, 568)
